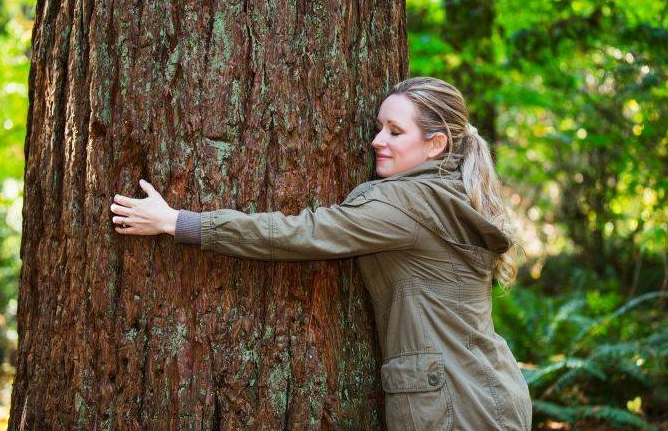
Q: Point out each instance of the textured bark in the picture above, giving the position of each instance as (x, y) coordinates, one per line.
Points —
(256, 106)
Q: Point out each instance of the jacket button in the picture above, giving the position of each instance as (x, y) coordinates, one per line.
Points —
(433, 379)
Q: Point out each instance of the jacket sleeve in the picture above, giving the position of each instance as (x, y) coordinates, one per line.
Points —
(335, 232)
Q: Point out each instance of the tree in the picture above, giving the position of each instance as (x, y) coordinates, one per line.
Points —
(252, 106)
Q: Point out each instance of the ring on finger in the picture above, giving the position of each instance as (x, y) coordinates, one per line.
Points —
(123, 222)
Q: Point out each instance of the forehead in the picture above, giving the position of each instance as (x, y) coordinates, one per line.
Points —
(397, 108)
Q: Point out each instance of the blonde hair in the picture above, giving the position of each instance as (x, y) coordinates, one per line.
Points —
(441, 108)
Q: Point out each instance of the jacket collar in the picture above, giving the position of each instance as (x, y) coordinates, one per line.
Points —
(445, 166)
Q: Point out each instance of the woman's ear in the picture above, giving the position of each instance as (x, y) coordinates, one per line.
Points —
(438, 144)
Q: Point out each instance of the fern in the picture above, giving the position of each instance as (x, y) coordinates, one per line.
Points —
(566, 311)
(555, 411)
(582, 365)
(616, 350)
(565, 380)
(605, 321)
(632, 370)
(620, 357)
(618, 418)
(602, 359)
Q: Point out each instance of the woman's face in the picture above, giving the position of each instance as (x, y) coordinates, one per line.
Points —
(398, 144)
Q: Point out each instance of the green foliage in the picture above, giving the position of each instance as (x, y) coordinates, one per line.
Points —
(578, 91)
(15, 32)
(10, 229)
(619, 418)
(10, 265)
(585, 95)
(590, 355)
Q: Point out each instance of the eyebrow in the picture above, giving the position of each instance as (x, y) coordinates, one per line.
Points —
(391, 121)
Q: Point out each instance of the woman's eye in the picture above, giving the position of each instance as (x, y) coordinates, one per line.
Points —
(379, 128)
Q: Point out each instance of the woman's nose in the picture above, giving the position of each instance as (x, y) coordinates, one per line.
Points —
(377, 142)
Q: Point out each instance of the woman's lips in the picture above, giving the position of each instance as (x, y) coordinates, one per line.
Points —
(382, 157)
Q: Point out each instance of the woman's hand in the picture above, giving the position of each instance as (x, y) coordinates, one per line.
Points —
(148, 216)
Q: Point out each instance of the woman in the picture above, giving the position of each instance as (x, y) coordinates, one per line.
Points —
(435, 224)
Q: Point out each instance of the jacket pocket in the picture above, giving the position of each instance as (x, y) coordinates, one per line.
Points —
(416, 392)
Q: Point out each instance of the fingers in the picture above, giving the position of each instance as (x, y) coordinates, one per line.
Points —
(130, 230)
(121, 220)
(131, 202)
(147, 187)
(125, 201)
(125, 227)
(125, 207)
(121, 210)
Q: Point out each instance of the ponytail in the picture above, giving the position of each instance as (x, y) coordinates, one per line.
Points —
(484, 190)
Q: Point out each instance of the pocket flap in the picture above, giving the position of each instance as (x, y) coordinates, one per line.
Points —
(413, 372)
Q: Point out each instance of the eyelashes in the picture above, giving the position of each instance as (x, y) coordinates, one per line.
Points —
(378, 129)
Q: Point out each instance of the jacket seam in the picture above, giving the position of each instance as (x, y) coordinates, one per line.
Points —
(203, 228)
(410, 409)
(416, 288)
(450, 403)
(207, 235)
(415, 233)
(420, 306)
(237, 241)
(459, 289)
(411, 352)
(490, 387)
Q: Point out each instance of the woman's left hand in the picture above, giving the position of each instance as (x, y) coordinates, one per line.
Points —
(148, 216)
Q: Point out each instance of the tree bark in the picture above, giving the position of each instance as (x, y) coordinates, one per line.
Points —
(255, 106)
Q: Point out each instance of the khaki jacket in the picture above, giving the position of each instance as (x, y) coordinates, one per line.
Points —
(426, 258)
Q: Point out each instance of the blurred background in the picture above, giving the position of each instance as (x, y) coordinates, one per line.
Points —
(573, 97)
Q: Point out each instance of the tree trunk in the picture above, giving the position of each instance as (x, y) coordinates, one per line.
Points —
(255, 106)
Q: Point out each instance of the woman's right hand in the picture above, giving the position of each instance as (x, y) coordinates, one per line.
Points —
(148, 216)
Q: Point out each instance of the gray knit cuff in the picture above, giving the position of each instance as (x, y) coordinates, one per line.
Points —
(187, 230)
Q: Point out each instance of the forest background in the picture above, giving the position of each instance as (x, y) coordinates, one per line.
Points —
(573, 97)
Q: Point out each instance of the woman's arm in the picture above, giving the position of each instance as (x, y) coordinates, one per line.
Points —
(334, 232)
(351, 229)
